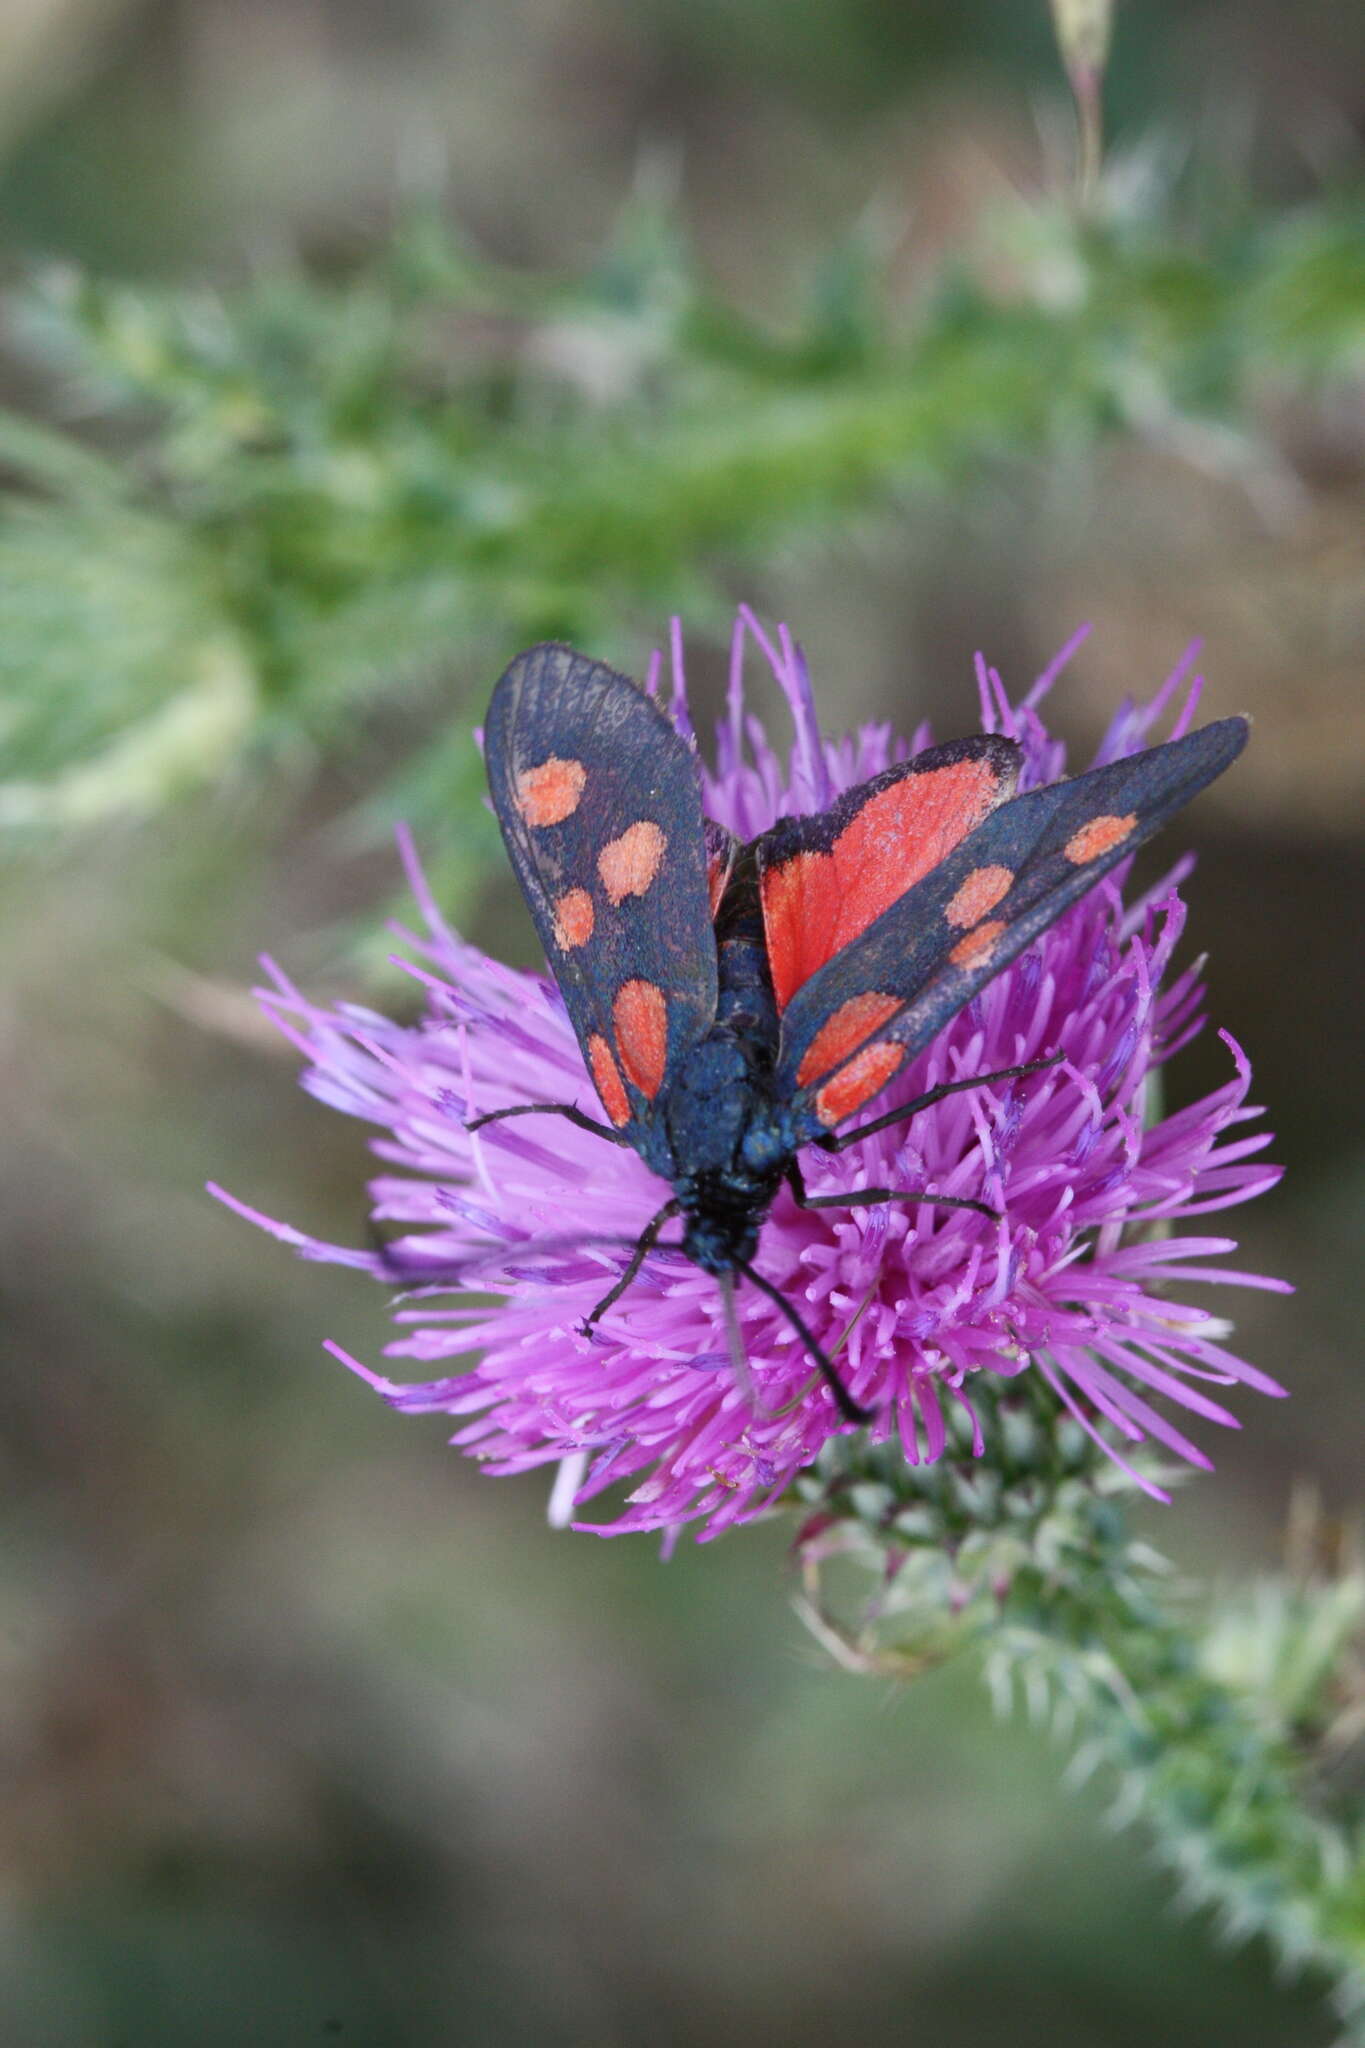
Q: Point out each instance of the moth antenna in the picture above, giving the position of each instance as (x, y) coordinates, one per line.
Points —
(851, 1410)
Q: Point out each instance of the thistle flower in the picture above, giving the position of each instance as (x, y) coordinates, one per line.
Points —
(1069, 1281)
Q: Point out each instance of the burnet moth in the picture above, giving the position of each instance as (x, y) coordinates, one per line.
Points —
(735, 1003)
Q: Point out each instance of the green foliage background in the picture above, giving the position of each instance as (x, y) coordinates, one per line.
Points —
(347, 349)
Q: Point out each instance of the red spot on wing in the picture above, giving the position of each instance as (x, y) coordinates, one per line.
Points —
(980, 892)
(607, 1078)
(629, 864)
(640, 1014)
(573, 919)
(866, 1073)
(1099, 835)
(549, 794)
(817, 903)
(977, 947)
(843, 1032)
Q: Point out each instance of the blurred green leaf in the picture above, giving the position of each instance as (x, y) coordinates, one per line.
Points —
(324, 497)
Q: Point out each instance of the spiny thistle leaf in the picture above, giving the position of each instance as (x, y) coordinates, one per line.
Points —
(326, 496)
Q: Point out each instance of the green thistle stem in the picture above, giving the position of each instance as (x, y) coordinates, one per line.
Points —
(1221, 1721)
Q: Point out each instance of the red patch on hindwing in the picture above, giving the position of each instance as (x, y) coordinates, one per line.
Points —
(640, 1014)
(843, 1033)
(818, 901)
(607, 1079)
(789, 894)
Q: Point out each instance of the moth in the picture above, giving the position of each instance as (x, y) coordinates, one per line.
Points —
(738, 1003)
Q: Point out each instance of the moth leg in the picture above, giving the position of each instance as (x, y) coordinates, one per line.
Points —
(644, 1245)
(871, 1198)
(842, 1142)
(575, 1116)
(851, 1410)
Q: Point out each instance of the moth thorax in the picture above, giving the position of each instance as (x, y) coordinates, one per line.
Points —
(720, 1243)
(722, 1218)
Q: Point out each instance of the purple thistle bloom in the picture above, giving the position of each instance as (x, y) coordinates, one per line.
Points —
(1071, 1281)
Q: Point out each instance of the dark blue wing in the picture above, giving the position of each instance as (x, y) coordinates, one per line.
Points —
(600, 807)
(850, 1028)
